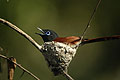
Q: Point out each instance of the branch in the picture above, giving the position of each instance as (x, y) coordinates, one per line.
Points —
(20, 32)
(21, 67)
(67, 76)
(32, 41)
(84, 41)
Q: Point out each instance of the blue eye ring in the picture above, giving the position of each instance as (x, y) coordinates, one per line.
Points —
(48, 33)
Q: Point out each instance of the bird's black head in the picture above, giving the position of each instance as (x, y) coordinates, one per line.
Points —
(47, 35)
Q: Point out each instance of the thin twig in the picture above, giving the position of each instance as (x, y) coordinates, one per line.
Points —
(67, 76)
(91, 17)
(21, 32)
(21, 67)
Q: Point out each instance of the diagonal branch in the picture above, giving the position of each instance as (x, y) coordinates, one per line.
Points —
(20, 32)
(21, 67)
(68, 77)
(91, 18)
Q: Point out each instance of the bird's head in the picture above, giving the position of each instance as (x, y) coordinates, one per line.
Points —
(47, 35)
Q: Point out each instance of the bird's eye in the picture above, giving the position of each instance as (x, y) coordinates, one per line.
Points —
(48, 33)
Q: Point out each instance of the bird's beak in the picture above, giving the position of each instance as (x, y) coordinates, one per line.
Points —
(40, 31)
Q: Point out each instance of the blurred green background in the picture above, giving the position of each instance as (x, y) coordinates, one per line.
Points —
(97, 61)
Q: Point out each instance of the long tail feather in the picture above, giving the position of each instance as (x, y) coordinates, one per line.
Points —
(86, 41)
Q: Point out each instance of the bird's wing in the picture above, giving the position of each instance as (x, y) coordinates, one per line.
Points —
(71, 39)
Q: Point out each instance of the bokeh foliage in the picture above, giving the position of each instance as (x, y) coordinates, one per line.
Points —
(98, 61)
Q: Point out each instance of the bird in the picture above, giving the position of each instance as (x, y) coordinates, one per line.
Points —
(58, 51)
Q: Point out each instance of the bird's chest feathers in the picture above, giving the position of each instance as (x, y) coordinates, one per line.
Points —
(57, 53)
